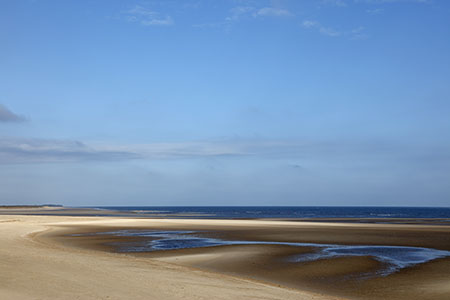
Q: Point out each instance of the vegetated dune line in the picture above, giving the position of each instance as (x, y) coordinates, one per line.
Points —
(35, 268)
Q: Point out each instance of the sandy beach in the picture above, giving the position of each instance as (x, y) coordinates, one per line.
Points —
(42, 260)
(225, 150)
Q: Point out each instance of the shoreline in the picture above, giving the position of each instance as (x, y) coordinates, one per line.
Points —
(247, 265)
(55, 210)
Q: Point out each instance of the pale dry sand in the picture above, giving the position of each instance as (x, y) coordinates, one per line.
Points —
(40, 268)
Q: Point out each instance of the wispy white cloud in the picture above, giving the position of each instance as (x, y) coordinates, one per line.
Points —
(341, 154)
(344, 3)
(21, 150)
(165, 21)
(392, 1)
(374, 11)
(33, 150)
(341, 3)
(7, 115)
(246, 12)
(147, 17)
(272, 12)
(211, 25)
(356, 33)
(239, 11)
(320, 28)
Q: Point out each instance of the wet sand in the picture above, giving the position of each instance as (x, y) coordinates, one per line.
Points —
(41, 259)
(339, 277)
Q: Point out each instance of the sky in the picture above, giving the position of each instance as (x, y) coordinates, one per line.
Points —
(225, 102)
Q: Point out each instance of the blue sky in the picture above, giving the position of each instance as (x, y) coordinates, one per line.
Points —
(338, 102)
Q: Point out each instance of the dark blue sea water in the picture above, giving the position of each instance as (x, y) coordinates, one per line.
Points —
(243, 212)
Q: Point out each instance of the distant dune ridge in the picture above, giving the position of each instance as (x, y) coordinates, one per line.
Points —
(26, 206)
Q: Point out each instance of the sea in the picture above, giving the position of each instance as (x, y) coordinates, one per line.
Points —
(285, 212)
